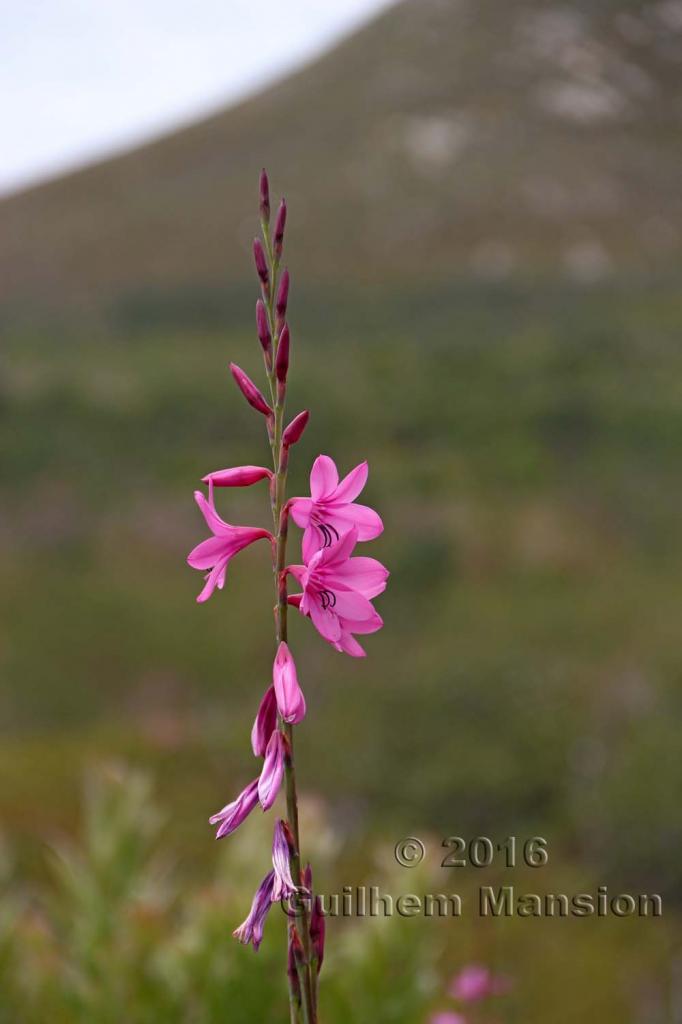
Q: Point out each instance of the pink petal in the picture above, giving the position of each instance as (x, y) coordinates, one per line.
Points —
(352, 484)
(215, 578)
(347, 644)
(371, 625)
(367, 575)
(338, 552)
(290, 699)
(206, 554)
(367, 522)
(325, 622)
(323, 477)
(215, 524)
(352, 605)
(312, 542)
(300, 509)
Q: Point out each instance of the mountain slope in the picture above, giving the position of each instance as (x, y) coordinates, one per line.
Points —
(447, 137)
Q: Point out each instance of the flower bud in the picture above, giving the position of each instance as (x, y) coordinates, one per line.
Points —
(295, 957)
(260, 261)
(282, 298)
(263, 328)
(290, 699)
(294, 431)
(273, 769)
(282, 357)
(317, 931)
(278, 238)
(250, 391)
(264, 196)
(237, 476)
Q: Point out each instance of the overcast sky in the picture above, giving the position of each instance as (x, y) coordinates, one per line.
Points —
(82, 78)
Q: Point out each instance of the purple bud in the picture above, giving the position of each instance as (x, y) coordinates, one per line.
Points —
(293, 432)
(251, 930)
(317, 931)
(290, 699)
(273, 770)
(295, 956)
(249, 390)
(282, 848)
(260, 261)
(282, 297)
(265, 723)
(282, 357)
(280, 223)
(263, 328)
(232, 815)
(264, 196)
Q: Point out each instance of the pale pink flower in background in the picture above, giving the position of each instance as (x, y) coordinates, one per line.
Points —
(337, 592)
(447, 1017)
(251, 930)
(265, 723)
(331, 509)
(290, 699)
(216, 552)
(281, 854)
(476, 982)
(233, 814)
(273, 769)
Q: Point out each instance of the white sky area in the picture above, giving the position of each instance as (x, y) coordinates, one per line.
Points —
(80, 79)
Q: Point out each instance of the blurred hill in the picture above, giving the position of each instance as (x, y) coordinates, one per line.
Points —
(447, 137)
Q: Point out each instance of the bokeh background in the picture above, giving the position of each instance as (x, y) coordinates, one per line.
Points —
(485, 243)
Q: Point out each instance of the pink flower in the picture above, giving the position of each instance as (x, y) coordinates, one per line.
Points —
(273, 769)
(251, 930)
(290, 699)
(237, 476)
(281, 854)
(216, 552)
(265, 723)
(331, 509)
(336, 593)
(232, 815)
(476, 982)
(447, 1017)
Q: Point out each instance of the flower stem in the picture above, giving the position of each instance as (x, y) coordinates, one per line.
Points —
(280, 522)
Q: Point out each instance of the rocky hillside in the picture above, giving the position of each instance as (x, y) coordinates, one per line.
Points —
(448, 137)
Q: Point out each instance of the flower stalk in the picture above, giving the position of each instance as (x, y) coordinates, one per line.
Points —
(337, 597)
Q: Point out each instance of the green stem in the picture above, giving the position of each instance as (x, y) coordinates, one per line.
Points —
(280, 522)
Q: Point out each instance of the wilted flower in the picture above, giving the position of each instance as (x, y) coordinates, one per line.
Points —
(281, 855)
(233, 814)
(265, 723)
(251, 930)
(273, 770)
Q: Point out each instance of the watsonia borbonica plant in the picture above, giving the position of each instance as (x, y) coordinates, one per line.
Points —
(336, 594)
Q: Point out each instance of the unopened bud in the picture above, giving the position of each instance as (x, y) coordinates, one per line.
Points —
(260, 261)
(249, 390)
(263, 328)
(296, 957)
(317, 931)
(282, 357)
(280, 222)
(282, 298)
(264, 196)
(293, 432)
